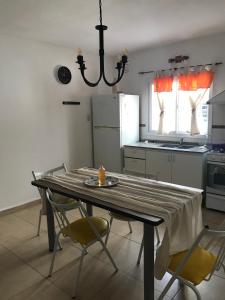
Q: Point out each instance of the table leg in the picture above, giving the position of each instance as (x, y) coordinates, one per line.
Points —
(50, 225)
(89, 209)
(148, 262)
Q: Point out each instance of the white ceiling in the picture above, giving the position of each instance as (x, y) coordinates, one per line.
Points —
(133, 24)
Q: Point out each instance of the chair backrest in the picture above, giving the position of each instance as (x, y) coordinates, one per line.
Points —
(59, 209)
(39, 175)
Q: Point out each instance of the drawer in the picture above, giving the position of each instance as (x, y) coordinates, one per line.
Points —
(134, 165)
(134, 152)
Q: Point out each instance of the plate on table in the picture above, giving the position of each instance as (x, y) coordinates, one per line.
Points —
(109, 181)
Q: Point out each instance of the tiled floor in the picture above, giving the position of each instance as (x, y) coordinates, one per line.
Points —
(24, 263)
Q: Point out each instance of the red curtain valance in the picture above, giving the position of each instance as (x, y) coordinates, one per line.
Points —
(163, 83)
(195, 80)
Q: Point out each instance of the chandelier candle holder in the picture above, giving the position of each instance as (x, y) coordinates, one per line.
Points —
(120, 66)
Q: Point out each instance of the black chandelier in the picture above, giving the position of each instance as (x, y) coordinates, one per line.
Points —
(120, 65)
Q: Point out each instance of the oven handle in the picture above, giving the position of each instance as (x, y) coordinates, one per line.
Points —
(216, 163)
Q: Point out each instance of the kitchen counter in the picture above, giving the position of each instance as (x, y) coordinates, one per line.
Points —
(195, 149)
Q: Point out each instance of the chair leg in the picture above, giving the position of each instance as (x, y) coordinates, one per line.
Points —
(81, 213)
(167, 287)
(130, 227)
(223, 266)
(157, 236)
(54, 253)
(142, 245)
(39, 222)
(140, 251)
(84, 252)
(107, 236)
(108, 253)
(194, 289)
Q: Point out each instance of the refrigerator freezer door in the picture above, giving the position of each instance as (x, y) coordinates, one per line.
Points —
(106, 111)
(107, 149)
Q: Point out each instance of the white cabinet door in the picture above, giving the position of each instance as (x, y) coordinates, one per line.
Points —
(134, 165)
(158, 165)
(187, 169)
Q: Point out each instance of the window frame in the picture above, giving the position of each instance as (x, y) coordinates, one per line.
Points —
(148, 133)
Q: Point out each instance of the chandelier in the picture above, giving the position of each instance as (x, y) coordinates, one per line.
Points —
(120, 65)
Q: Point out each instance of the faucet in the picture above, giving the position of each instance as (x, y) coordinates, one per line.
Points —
(181, 140)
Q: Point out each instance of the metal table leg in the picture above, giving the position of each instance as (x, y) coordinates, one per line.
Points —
(89, 209)
(148, 262)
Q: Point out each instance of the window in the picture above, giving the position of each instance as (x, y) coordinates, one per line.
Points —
(179, 109)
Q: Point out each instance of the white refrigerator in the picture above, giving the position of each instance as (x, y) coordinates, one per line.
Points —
(115, 120)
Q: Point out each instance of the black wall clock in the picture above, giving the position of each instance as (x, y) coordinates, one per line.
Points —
(64, 75)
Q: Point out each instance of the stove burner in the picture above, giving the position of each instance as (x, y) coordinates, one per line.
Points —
(220, 150)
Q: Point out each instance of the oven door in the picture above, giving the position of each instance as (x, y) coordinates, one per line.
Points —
(216, 177)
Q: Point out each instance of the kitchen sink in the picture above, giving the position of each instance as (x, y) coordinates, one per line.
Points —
(178, 146)
(170, 145)
(185, 146)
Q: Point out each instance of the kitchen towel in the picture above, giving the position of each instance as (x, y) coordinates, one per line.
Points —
(179, 206)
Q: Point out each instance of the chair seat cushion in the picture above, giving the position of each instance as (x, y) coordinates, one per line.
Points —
(60, 199)
(82, 232)
(120, 217)
(197, 268)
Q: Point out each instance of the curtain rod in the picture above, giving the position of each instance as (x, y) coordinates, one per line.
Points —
(174, 69)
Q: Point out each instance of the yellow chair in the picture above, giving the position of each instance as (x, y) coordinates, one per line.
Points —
(86, 231)
(198, 263)
(58, 198)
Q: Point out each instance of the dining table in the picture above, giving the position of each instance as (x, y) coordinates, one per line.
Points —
(125, 199)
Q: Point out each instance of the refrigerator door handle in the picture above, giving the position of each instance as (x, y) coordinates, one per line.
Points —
(110, 127)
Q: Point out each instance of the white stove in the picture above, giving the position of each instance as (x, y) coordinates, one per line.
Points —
(215, 187)
(215, 155)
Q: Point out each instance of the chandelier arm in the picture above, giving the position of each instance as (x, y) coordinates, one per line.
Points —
(123, 70)
(88, 82)
(119, 77)
(114, 82)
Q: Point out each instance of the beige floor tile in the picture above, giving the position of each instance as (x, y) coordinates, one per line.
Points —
(137, 273)
(43, 290)
(212, 290)
(212, 218)
(221, 272)
(14, 228)
(26, 265)
(124, 288)
(124, 251)
(15, 275)
(35, 253)
(94, 277)
(31, 215)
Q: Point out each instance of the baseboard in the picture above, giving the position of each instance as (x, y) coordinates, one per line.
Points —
(9, 210)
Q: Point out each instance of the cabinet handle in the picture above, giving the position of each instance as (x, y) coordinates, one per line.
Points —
(169, 157)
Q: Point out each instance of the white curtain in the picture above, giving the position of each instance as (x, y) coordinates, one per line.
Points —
(194, 103)
(161, 114)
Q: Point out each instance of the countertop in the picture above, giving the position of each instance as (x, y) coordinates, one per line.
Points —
(149, 145)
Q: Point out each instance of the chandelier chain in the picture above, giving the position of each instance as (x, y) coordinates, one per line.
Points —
(100, 10)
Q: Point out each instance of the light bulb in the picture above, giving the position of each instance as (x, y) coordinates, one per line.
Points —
(79, 51)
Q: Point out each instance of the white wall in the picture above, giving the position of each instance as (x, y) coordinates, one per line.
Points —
(36, 131)
(203, 50)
